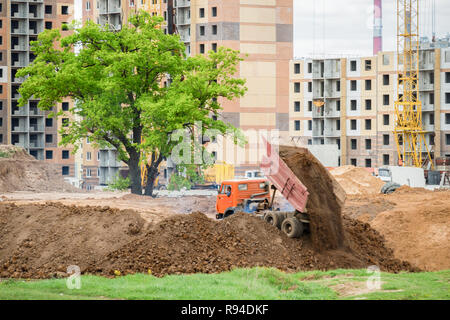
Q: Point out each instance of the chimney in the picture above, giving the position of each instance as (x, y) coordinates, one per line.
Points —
(377, 27)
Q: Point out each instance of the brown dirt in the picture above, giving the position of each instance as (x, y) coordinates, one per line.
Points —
(21, 172)
(326, 196)
(356, 180)
(42, 240)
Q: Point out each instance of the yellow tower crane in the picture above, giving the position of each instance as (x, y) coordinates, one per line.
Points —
(408, 128)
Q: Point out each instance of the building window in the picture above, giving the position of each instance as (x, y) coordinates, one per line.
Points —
(338, 142)
(447, 77)
(202, 12)
(309, 86)
(88, 172)
(353, 65)
(214, 47)
(297, 68)
(310, 106)
(385, 119)
(65, 170)
(309, 67)
(65, 154)
(98, 156)
(49, 122)
(297, 106)
(368, 163)
(297, 87)
(202, 30)
(353, 162)
(88, 156)
(431, 119)
(309, 142)
(88, 5)
(447, 139)
(447, 97)
(338, 125)
(64, 10)
(48, 9)
(368, 64)
(65, 122)
(385, 139)
(48, 25)
(385, 159)
(353, 85)
(309, 125)
(338, 86)
(385, 99)
(368, 85)
(48, 154)
(385, 79)
(65, 106)
(353, 124)
(447, 118)
(368, 104)
(353, 105)
(368, 144)
(368, 124)
(297, 125)
(354, 144)
(214, 11)
(48, 138)
(1, 24)
(431, 98)
(214, 29)
(338, 105)
(202, 48)
(1, 40)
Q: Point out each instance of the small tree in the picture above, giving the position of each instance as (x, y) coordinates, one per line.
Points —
(116, 79)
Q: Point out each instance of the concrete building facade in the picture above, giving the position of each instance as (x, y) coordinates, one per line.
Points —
(20, 23)
(358, 113)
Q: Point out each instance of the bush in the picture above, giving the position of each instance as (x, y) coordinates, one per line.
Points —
(119, 183)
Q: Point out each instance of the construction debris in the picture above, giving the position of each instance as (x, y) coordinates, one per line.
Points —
(357, 180)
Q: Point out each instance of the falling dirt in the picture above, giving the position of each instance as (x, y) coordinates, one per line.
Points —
(326, 196)
(356, 180)
(21, 172)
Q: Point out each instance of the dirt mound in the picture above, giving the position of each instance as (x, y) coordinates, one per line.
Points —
(195, 243)
(418, 228)
(21, 172)
(407, 189)
(42, 240)
(357, 180)
(326, 197)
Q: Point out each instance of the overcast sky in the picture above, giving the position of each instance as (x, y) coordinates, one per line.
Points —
(345, 26)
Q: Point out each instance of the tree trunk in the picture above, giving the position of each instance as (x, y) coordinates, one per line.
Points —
(135, 174)
(152, 174)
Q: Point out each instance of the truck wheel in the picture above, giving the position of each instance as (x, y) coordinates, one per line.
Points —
(292, 227)
(390, 187)
(228, 213)
(274, 219)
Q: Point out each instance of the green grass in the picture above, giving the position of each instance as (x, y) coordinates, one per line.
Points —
(255, 283)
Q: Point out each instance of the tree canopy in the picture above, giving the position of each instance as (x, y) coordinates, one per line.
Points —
(133, 88)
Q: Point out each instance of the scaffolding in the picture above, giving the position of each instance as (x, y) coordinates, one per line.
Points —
(408, 128)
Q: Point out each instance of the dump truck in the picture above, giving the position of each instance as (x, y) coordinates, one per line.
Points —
(256, 196)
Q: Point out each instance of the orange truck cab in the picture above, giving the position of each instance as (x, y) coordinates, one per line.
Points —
(247, 195)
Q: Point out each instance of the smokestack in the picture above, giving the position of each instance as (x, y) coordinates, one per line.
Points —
(377, 27)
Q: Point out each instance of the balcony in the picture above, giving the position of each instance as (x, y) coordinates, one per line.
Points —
(20, 111)
(36, 128)
(19, 128)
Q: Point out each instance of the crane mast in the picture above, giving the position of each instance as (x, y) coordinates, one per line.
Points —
(408, 128)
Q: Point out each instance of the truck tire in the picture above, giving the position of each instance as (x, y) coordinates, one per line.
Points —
(389, 187)
(292, 227)
(274, 219)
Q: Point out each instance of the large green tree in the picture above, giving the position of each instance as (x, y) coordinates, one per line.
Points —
(133, 88)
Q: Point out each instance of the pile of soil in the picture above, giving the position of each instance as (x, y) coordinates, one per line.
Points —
(42, 240)
(326, 196)
(418, 232)
(357, 180)
(407, 189)
(19, 171)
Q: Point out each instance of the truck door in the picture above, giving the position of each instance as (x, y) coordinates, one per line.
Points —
(224, 201)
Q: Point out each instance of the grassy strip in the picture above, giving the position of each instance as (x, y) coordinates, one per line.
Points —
(255, 283)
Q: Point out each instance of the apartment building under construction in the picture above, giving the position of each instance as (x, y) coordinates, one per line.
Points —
(358, 96)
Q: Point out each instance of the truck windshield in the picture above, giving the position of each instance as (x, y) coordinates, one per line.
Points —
(383, 173)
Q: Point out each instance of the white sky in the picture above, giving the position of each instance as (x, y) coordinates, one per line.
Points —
(345, 26)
